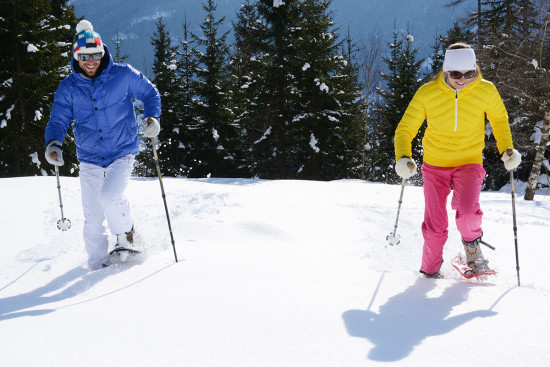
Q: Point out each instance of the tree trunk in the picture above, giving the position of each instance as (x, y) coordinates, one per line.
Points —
(539, 157)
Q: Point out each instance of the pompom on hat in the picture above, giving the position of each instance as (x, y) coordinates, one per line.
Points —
(459, 59)
(86, 40)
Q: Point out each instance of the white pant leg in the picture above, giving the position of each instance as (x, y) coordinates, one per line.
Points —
(116, 206)
(95, 236)
(103, 198)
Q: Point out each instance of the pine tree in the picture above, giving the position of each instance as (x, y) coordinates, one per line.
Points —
(437, 57)
(35, 49)
(167, 82)
(245, 69)
(325, 91)
(215, 134)
(370, 65)
(513, 17)
(454, 35)
(314, 107)
(296, 92)
(514, 58)
(353, 110)
(117, 57)
(276, 99)
(186, 115)
(403, 81)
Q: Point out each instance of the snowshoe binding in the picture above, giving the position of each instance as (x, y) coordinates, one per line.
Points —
(124, 249)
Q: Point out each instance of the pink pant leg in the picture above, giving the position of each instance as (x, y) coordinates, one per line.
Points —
(437, 186)
(467, 181)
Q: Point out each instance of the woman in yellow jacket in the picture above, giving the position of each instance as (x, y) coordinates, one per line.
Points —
(455, 105)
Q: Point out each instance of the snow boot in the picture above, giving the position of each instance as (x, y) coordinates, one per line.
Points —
(125, 240)
(474, 256)
(436, 275)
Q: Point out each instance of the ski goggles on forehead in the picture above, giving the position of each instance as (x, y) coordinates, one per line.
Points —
(86, 57)
(467, 75)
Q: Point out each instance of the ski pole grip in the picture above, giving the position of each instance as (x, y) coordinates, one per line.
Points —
(53, 155)
(410, 165)
(509, 151)
(149, 120)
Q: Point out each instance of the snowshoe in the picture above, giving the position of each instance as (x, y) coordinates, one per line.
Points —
(124, 249)
(481, 268)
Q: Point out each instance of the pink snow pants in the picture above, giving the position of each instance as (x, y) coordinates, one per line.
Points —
(466, 182)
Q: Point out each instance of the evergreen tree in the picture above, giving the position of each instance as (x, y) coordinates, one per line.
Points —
(167, 82)
(245, 69)
(215, 136)
(513, 17)
(454, 35)
(35, 49)
(391, 111)
(437, 57)
(187, 66)
(276, 99)
(403, 80)
(513, 59)
(326, 96)
(354, 111)
(296, 92)
(117, 57)
(370, 65)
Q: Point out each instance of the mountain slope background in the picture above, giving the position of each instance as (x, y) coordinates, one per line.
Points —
(135, 24)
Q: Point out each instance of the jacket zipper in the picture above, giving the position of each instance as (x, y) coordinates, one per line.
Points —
(456, 109)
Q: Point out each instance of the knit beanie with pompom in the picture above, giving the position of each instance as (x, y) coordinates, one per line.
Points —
(86, 41)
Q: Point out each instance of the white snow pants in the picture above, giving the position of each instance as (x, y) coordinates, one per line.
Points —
(103, 198)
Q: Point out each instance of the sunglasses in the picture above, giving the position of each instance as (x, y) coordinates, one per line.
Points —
(467, 75)
(86, 57)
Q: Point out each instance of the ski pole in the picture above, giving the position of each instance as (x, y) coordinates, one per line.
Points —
(63, 224)
(156, 159)
(509, 152)
(393, 238)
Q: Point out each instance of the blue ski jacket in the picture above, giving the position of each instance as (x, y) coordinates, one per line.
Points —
(101, 109)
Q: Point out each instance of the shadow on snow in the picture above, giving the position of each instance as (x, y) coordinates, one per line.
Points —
(66, 286)
(408, 318)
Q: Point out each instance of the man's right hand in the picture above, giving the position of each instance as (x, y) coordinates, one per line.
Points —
(54, 154)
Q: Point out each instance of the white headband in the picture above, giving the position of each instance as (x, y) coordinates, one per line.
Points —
(459, 59)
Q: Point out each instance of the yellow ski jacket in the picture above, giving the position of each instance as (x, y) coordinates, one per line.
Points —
(455, 134)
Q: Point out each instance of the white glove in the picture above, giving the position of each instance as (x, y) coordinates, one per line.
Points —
(53, 153)
(405, 167)
(151, 127)
(511, 159)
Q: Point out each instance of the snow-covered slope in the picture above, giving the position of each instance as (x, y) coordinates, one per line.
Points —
(271, 273)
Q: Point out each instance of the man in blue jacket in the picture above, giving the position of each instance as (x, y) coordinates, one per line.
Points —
(97, 99)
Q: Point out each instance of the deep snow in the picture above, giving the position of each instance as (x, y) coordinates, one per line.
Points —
(271, 273)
